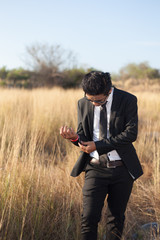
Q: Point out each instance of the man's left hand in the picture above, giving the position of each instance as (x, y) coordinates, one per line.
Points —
(87, 147)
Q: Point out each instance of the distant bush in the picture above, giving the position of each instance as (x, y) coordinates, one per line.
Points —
(3, 73)
(139, 71)
(49, 74)
(73, 77)
(18, 75)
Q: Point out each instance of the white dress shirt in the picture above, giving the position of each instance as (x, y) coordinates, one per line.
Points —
(113, 155)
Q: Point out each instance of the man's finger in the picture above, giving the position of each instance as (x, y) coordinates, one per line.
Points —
(61, 129)
(83, 148)
(84, 143)
(68, 130)
(64, 128)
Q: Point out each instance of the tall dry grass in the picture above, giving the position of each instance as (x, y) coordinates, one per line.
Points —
(38, 198)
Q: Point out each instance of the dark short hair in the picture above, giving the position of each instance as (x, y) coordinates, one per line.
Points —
(96, 82)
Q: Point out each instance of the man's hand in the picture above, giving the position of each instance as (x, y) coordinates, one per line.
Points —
(68, 133)
(87, 147)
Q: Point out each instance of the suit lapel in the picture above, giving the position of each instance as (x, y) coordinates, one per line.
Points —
(114, 108)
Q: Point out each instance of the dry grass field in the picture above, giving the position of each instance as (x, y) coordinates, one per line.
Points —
(38, 198)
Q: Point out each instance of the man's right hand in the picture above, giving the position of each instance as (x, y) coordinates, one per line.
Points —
(68, 133)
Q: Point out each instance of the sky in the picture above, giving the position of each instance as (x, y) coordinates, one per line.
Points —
(103, 34)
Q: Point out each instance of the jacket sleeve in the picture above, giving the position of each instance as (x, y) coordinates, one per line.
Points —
(129, 132)
(80, 130)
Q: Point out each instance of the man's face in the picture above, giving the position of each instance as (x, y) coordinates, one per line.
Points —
(97, 100)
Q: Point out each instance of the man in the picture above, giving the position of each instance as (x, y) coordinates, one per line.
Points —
(107, 126)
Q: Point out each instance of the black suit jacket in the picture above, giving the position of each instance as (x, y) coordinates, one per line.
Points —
(123, 131)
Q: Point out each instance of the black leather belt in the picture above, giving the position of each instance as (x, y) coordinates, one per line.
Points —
(107, 164)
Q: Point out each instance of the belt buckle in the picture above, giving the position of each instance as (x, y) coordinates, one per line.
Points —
(110, 166)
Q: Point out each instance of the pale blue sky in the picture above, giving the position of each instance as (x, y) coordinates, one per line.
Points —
(104, 34)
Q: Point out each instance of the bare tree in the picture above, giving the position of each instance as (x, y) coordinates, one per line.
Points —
(48, 63)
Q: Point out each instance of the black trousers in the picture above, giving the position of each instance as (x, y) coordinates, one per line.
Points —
(117, 183)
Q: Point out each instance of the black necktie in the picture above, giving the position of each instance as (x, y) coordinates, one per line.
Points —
(103, 122)
(103, 131)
